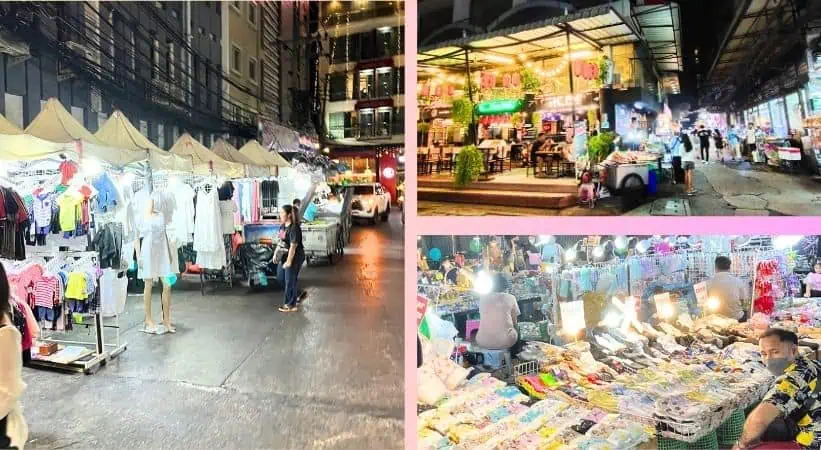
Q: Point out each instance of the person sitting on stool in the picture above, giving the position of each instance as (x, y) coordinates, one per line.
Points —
(498, 315)
(790, 412)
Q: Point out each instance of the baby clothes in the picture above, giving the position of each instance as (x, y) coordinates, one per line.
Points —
(77, 286)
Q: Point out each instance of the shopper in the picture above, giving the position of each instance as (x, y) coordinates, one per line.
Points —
(289, 269)
(535, 148)
(729, 290)
(688, 163)
(704, 141)
(813, 281)
(750, 139)
(13, 428)
(297, 203)
(498, 315)
(790, 410)
(734, 140)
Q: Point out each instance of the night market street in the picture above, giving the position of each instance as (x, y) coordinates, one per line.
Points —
(240, 374)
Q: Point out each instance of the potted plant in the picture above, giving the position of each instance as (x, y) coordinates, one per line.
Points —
(530, 81)
(599, 146)
(468, 166)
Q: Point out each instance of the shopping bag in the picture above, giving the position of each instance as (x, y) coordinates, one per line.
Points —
(310, 212)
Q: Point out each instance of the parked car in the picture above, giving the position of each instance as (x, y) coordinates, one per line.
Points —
(371, 201)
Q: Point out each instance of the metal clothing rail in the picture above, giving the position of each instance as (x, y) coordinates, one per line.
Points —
(102, 351)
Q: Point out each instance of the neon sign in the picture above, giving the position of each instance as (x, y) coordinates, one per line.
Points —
(498, 107)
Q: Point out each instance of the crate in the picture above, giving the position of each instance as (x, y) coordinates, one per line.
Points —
(729, 432)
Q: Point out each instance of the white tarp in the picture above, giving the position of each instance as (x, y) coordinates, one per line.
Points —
(205, 160)
(56, 125)
(119, 132)
(228, 152)
(273, 159)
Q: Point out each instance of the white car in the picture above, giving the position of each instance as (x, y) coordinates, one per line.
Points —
(371, 201)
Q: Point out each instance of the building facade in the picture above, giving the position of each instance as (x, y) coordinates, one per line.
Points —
(158, 62)
(242, 49)
(362, 79)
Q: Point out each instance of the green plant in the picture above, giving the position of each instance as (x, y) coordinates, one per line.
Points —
(530, 81)
(462, 112)
(469, 163)
(604, 70)
(598, 147)
(422, 127)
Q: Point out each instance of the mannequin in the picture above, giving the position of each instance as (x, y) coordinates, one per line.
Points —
(157, 258)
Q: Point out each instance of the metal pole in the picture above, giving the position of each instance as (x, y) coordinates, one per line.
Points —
(473, 127)
(572, 90)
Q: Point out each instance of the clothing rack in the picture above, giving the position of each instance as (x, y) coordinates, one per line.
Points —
(102, 352)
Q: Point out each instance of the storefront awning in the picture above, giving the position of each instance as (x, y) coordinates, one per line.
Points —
(660, 27)
(205, 161)
(589, 28)
(119, 132)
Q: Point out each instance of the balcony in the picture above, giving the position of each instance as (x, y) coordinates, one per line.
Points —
(337, 13)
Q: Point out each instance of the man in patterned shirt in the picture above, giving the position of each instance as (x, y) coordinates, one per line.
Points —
(791, 410)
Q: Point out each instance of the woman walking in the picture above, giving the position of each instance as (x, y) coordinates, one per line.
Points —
(688, 162)
(293, 259)
(13, 428)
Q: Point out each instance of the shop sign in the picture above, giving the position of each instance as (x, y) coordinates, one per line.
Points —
(437, 90)
(498, 107)
(489, 80)
(701, 292)
(586, 70)
(566, 103)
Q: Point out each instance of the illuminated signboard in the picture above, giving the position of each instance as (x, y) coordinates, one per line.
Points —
(498, 107)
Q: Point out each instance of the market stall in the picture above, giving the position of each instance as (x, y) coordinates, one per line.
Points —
(631, 331)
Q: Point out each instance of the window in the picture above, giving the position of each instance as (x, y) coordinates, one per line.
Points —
(336, 125)
(384, 82)
(252, 70)
(170, 67)
(155, 59)
(366, 123)
(366, 84)
(338, 87)
(385, 42)
(399, 121)
(383, 122)
(132, 57)
(236, 58)
(252, 13)
(366, 43)
(237, 6)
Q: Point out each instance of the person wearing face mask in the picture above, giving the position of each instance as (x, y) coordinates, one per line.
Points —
(790, 411)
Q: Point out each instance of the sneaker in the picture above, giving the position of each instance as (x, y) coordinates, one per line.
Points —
(288, 309)
(302, 296)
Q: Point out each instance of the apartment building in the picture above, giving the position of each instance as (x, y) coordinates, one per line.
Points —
(363, 76)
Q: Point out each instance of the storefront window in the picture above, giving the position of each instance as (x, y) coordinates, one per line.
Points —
(366, 123)
(366, 41)
(384, 82)
(383, 122)
(385, 42)
(366, 84)
(794, 111)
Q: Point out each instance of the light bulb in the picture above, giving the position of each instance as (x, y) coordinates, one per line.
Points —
(483, 283)
(598, 252)
(612, 320)
(713, 303)
(621, 242)
(570, 256)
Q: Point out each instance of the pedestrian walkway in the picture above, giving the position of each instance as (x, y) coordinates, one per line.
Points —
(240, 374)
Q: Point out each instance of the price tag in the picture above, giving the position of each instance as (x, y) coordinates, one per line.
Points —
(421, 307)
(701, 292)
(572, 316)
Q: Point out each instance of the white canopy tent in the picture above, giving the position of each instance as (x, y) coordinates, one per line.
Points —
(56, 125)
(16, 145)
(229, 153)
(205, 161)
(272, 159)
(118, 132)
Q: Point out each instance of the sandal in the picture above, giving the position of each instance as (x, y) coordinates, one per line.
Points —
(288, 309)
(170, 329)
(147, 330)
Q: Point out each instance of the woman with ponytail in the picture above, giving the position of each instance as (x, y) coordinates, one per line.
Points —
(13, 429)
(293, 260)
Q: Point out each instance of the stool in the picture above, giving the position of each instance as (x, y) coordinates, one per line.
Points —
(495, 359)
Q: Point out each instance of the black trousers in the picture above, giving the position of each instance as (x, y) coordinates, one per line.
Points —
(705, 152)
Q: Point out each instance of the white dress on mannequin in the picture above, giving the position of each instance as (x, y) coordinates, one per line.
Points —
(208, 242)
(158, 251)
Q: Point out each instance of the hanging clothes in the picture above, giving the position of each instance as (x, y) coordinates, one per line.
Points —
(182, 221)
(208, 241)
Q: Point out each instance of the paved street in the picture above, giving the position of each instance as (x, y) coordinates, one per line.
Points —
(240, 375)
(723, 190)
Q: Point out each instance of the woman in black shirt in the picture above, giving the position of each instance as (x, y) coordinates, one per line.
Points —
(293, 259)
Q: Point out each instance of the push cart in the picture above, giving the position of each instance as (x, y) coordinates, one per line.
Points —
(322, 240)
